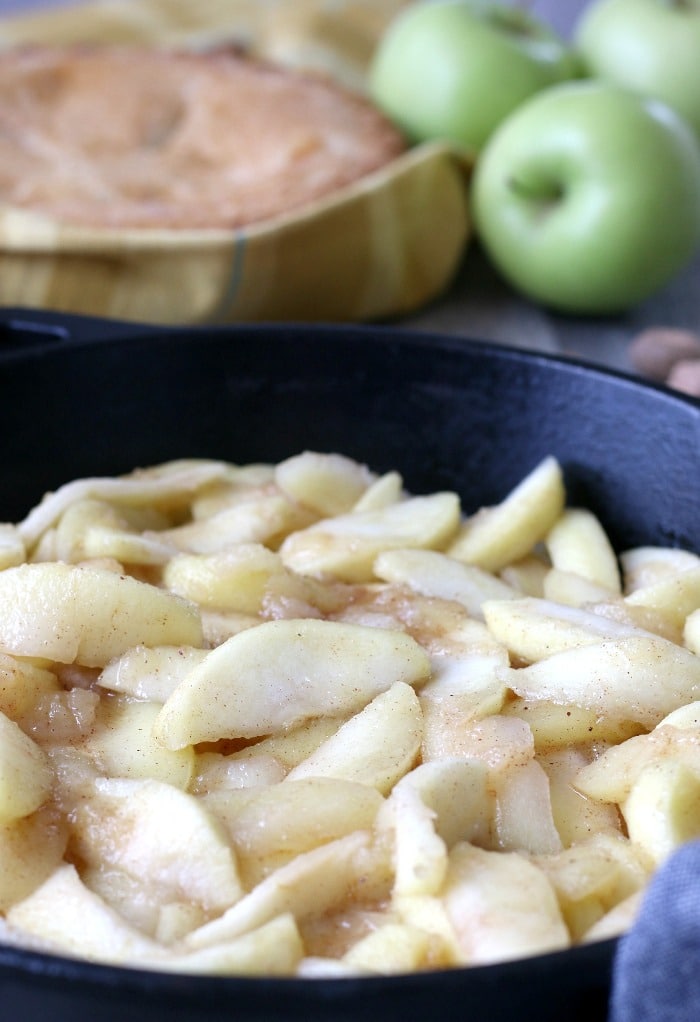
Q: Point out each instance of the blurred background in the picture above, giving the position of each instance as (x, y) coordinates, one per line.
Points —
(480, 304)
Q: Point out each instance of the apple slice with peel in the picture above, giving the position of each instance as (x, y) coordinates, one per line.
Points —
(270, 677)
(87, 615)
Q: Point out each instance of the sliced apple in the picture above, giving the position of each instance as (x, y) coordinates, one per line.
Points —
(26, 778)
(375, 747)
(308, 886)
(30, 850)
(639, 678)
(87, 615)
(74, 920)
(384, 491)
(22, 685)
(675, 596)
(396, 948)
(329, 484)
(91, 529)
(598, 873)
(691, 632)
(435, 574)
(263, 517)
(501, 906)
(12, 549)
(269, 678)
(456, 793)
(150, 673)
(646, 565)
(662, 810)
(496, 536)
(572, 589)
(346, 547)
(524, 818)
(122, 744)
(235, 579)
(273, 949)
(297, 816)
(578, 543)
(534, 629)
(170, 485)
(154, 831)
(419, 854)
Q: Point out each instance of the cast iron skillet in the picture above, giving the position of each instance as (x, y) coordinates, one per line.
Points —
(87, 397)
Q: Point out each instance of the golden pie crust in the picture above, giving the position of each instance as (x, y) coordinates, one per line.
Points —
(139, 137)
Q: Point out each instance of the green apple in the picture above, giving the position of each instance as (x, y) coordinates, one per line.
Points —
(453, 69)
(652, 46)
(587, 198)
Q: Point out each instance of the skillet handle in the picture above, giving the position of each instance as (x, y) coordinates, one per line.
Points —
(24, 328)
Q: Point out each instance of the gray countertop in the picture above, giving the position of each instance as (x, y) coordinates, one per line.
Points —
(479, 304)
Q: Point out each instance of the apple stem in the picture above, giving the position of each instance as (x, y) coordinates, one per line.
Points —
(546, 193)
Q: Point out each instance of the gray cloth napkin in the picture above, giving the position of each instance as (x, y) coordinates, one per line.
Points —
(656, 973)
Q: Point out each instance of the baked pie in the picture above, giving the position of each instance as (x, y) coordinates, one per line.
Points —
(136, 137)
